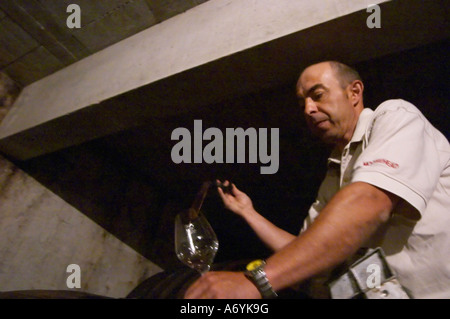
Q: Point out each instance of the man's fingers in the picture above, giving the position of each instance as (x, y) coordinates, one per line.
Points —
(222, 284)
(194, 291)
(234, 190)
(201, 288)
(224, 188)
(222, 194)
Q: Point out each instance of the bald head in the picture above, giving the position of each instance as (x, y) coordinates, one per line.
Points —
(343, 73)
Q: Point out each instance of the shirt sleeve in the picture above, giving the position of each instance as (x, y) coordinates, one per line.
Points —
(400, 155)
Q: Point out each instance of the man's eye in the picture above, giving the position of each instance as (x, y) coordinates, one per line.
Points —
(317, 95)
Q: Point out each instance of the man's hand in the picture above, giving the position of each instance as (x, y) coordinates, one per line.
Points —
(236, 201)
(222, 285)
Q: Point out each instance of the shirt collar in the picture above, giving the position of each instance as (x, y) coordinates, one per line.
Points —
(363, 121)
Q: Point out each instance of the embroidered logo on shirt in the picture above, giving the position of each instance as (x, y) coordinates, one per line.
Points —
(383, 161)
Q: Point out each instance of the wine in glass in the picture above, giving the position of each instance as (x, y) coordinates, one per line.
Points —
(196, 243)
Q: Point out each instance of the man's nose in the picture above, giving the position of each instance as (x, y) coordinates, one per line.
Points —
(310, 106)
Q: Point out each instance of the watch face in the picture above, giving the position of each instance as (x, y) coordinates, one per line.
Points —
(255, 264)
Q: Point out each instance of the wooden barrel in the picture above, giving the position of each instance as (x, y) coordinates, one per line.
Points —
(49, 294)
(172, 284)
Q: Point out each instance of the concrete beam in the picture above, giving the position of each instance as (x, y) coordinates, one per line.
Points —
(220, 49)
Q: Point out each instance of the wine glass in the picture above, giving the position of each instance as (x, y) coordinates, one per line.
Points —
(196, 243)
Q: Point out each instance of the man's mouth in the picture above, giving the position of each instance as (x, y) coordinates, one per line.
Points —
(320, 123)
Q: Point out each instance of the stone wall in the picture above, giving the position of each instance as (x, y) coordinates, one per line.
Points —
(41, 234)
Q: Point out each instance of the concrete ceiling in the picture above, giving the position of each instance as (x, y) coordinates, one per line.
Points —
(35, 40)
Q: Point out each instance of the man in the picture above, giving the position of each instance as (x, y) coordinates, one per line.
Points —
(387, 185)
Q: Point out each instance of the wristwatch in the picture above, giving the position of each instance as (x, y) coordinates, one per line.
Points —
(255, 272)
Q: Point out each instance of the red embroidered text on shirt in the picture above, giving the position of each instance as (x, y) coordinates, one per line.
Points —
(382, 160)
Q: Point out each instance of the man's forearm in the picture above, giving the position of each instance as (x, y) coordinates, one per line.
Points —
(271, 235)
(349, 219)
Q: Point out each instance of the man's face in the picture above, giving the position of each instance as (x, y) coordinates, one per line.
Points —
(327, 106)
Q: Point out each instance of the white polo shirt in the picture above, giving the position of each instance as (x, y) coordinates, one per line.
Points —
(397, 149)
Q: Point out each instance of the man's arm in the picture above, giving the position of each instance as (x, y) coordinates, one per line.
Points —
(238, 202)
(349, 219)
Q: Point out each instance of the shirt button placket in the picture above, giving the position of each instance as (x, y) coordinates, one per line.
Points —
(344, 163)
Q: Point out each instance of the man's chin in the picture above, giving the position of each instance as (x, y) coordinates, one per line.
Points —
(326, 138)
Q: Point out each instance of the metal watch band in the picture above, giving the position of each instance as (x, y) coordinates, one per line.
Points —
(259, 279)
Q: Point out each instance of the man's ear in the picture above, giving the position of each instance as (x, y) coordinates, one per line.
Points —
(355, 92)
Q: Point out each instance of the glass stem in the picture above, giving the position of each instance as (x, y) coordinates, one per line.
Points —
(203, 269)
